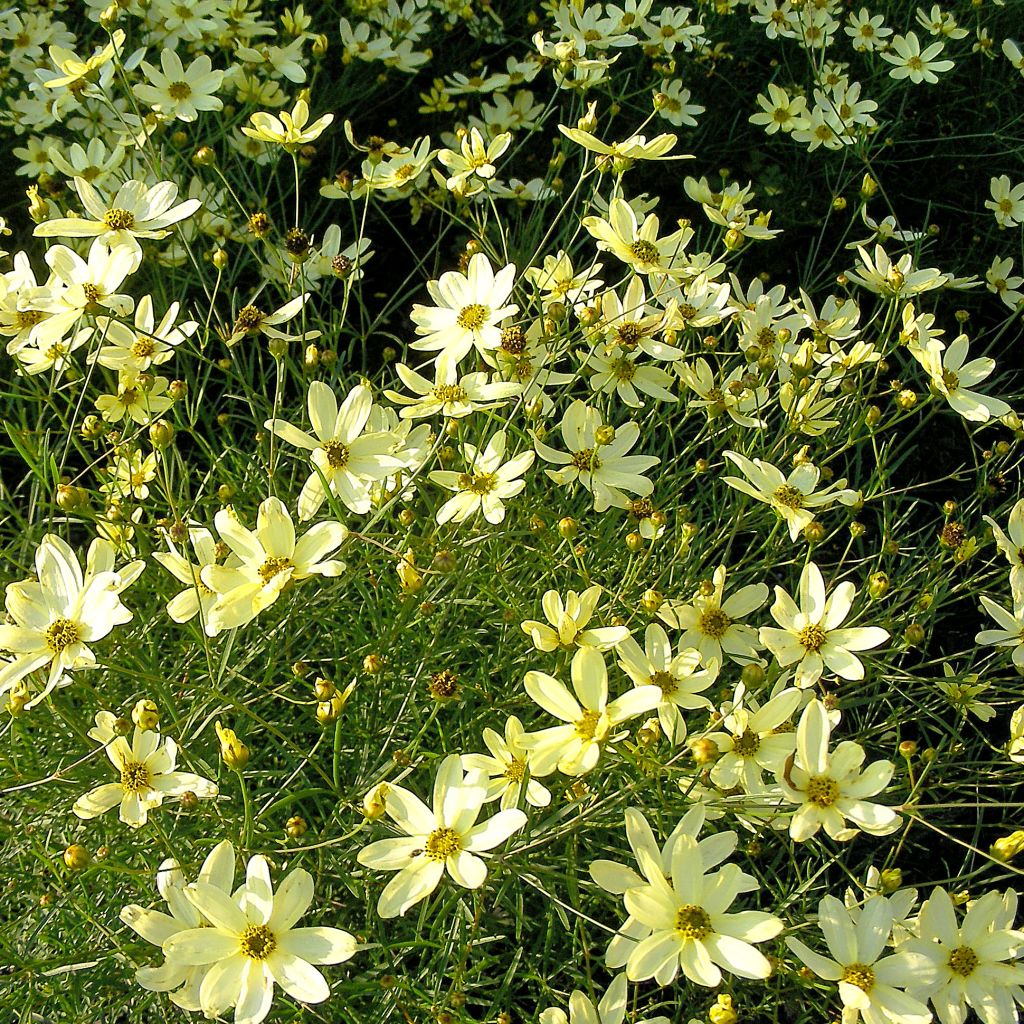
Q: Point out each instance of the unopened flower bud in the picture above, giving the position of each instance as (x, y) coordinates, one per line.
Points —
(568, 528)
(77, 858)
(604, 434)
(651, 601)
(878, 585)
(634, 543)
(703, 750)
(295, 827)
(177, 390)
(145, 714)
(161, 433)
(374, 801)
(908, 748)
(71, 498)
(890, 880)
(323, 689)
(914, 634)
(277, 347)
(233, 751)
(753, 675)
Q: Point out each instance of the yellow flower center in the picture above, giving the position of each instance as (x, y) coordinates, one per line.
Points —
(822, 790)
(473, 317)
(587, 725)
(644, 252)
(714, 623)
(915, 63)
(963, 961)
(585, 460)
(747, 744)
(28, 317)
(692, 922)
(179, 90)
(478, 483)
(272, 566)
(249, 319)
(61, 634)
(92, 296)
(665, 681)
(443, 843)
(628, 334)
(812, 638)
(450, 393)
(119, 220)
(136, 777)
(337, 454)
(257, 942)
(515, 771)
(623, 369)
(859, 975)
(143, 348)
(788, 496)
(950, 381)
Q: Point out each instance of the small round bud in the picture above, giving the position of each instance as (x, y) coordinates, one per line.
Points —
(634, 543)
(71, 498)
(857, 529)
(733, 239)
(701, 466)
(373, 802)
(188, 801)
(295, 827)
(873, 416)
(145, 714)
(908, 748)
(906, 399)
(914, 634)
(929, 754)
(890, 880)
(651, 601)
(839, 203)
(373, 664)
(444, 561)
(949, 507)
(407, 517)
(177, 390)
(878, 585)
(604, 434)
(703, 750)
(323, 689)
(277, 347)
(226, 492)
(753, 675)
(161, 433)
(311, 357)
(814, 532)
(233, 751)
(568, 528)
(220, 259)
(204, 156)
(77, 858)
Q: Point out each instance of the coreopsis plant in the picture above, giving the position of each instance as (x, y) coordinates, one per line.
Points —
(566, 627)
(690, 929)
(830, 787)
(135, 211)
(445, 839)
(951, 376)
(870, 985)
(268, 559)
(56, 616)
(467, 311)
(181, 981)
(346, 457)
(251, 320)
(610, 1010)
(1010, 632)
(251, 943)
(676, 674)
(197, 598)
(811, 634)
(450, 394)
(147, 776)
(711, 620)
(638, 244)
(970, 964)
(486, 482)
(597, 457)
(288, 129)
(509, 767)
(591, 719)
(794, 498)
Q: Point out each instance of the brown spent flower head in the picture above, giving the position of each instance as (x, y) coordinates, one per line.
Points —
(444, 685)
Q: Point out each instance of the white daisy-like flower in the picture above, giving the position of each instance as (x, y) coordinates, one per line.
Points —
(793, 497)
(290, 130)
(967, 964)
(197, 596)
(952, 376)
(468, 308)
(676, 674)
(346, 458)
(896, 280)
(606, 470)
(135, 399)
(638, 245)
(252, 943)
(810, 636)
(1007, 202)
(831, 788)
(486, 482)
(870, 985)
(143, 344)
(751, 740)
(1009, 634)
(56, 616)
(509, 767)
(446, 838)
(910, 61)
(558, 281)
(1011, 544)
(610, 1010)
(251, 321)
(568, 623)
(591, 720)
(148, 775)
(711, 620)
(269, 558)
(136, 211)
(690, 929)
(182, 981)
(450, 394)
(179, 92)
(733, 396)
